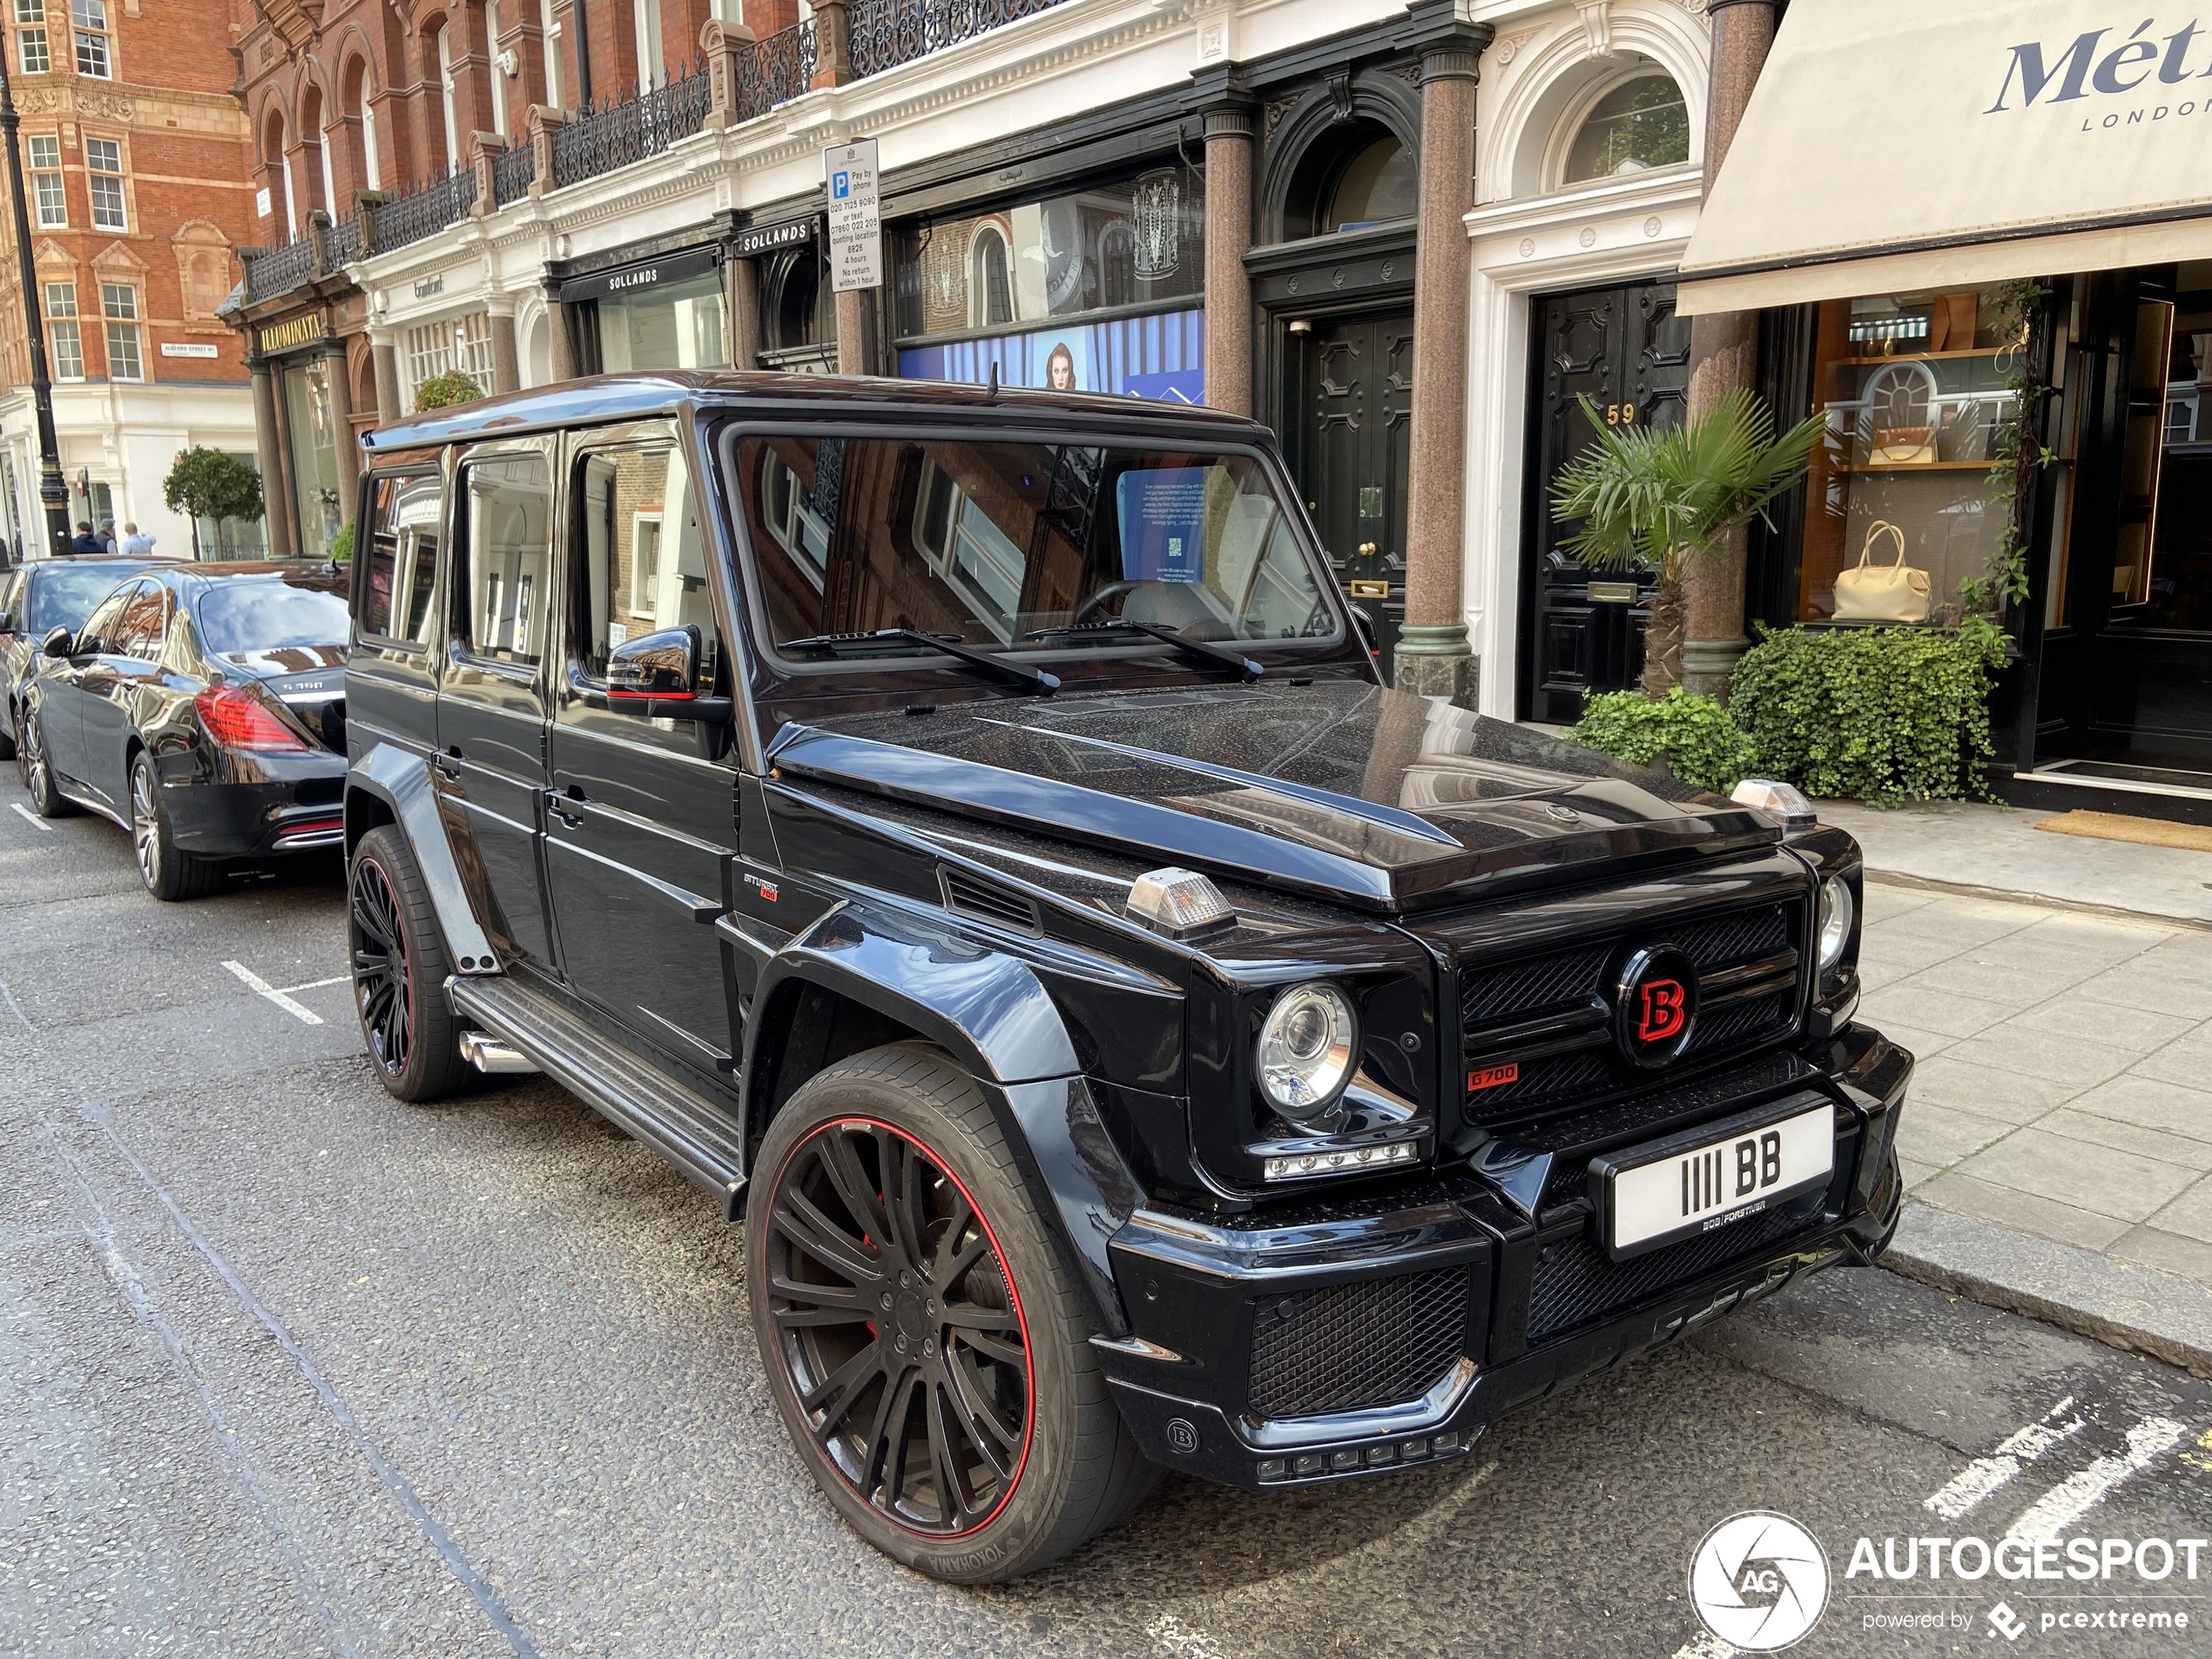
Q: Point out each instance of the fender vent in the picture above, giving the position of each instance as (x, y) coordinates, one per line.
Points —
(981, 901)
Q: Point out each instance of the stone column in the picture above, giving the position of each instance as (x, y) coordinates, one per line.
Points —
(1433, 660)
(560, 325)
(726, 46)
(341, 419)
(1723, 353)
(741, 294)
(856, 332)
(268, 445)
(832, 45)
(383, 358)
(506, 365)
(1229, 237)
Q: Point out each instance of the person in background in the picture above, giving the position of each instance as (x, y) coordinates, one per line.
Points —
(107, 536)
(136, 542)
(86, 544)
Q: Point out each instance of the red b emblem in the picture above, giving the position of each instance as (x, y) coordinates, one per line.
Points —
(1662, 1009)
(1654, 1004)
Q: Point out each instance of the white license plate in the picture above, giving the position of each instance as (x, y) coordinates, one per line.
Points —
(1710, 1176)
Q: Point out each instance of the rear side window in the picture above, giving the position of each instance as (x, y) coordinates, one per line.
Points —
(402, 564)
(102, 631)
(501, 580)
(643, 565)
(144, 623)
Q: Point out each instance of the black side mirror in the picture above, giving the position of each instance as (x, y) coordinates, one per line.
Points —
(58, 643)
(663, 665)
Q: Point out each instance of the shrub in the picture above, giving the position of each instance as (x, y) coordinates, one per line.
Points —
(1880, 714)
(1693, 735)
(444, 391)
(341, 545)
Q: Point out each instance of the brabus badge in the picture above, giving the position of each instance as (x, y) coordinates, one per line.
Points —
(1654, 1006)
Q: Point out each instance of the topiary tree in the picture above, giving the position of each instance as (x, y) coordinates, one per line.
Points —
(444, 391)
(214, 484)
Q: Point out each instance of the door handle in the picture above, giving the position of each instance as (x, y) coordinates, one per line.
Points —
(1366, 549)
(557, 805)
(444, 768)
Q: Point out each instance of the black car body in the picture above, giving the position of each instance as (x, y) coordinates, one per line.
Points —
(35, 599)
(735, 879)
(202, 708)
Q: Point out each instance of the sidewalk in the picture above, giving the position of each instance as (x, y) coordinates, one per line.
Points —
(2057, 1141)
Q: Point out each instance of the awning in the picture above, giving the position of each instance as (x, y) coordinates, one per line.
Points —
(1898, 145)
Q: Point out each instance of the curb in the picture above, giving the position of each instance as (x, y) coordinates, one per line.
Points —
(2007, 895)
(2137, 1308)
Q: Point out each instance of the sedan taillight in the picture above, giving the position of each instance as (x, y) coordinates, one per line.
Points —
(238, 719)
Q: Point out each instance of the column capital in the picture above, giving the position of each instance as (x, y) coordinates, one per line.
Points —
(1221, 86)
(1449, 45)
(1712, 6)
(1228, 121)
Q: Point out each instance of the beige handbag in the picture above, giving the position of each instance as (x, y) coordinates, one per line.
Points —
(1903, 446)
(1882, 592)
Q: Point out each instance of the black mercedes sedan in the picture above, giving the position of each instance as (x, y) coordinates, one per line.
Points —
(201, 707)
(35, 599)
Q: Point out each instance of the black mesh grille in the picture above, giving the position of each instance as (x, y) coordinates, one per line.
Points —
(1579, 1282)
(1725, 940)
(1739, 1023)
(1350, 1346)
(1577, 1071)
(1488, 996)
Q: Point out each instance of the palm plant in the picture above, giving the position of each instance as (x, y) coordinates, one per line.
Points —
(1655, 498)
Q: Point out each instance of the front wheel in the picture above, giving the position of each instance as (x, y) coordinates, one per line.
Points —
(400, 969)
(927, 1348)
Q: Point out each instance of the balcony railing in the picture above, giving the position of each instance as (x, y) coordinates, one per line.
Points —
(425, 211)
(887, 33)
(512, 174)
(278, 270)
(343, 244)
(616, 135)
(775, 71)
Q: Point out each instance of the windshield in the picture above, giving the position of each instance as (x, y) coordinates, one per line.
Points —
(998, 544)
(270, 614)
(62, 597)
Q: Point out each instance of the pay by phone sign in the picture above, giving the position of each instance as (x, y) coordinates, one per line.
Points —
(855, 226)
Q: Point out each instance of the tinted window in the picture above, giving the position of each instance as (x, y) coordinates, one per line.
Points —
(500, 587)
(402, 559)
(144, 621)
(63, 598)
(269, 614)
(643, 567)
(104, 626)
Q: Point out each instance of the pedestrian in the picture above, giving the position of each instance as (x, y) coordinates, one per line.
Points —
(107, 536)
(136, 542)
(85, 545)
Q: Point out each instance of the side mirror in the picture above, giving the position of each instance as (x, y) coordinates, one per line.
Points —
(58, 643)
(663, 665)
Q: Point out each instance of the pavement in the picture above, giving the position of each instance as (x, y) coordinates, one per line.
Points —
(289, 1367)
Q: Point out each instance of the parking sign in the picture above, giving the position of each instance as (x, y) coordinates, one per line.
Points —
(855, 227)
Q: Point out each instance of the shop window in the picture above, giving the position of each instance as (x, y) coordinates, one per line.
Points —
(46, 181)
(676, 326)
(461, 343)
(103, 163)
(119, 310)
(32, 55)
(310, 424)
(1915, 387)
(644, 562)
(970, 553)
(501, 588)
(403, 568)
(89, 18)
(990, 295)
(65, 346)
(2164, 557)
(1642, 123)
(1376, 186)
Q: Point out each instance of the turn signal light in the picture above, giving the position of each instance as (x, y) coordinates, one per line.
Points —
(238, 719)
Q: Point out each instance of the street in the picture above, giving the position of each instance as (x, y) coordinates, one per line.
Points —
(290, 1368)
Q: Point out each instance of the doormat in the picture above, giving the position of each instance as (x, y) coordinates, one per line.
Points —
(2144, 832)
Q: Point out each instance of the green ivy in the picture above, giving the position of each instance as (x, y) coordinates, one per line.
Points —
(1693, 735)
(1878, 714)
(341, 545)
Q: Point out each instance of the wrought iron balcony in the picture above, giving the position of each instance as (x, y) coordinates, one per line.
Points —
(775, 71)
(615, 135)
(278, 270)
(512, 173)
(343, 245)
(887, 33)
(425, 211)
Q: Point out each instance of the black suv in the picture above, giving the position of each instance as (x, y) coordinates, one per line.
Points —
(963, 831)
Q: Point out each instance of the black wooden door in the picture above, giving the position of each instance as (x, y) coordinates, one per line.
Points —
(1355, 405)
(1627, 351)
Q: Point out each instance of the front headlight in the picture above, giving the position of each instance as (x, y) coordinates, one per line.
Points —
(1307, 1050)
(1837, 911)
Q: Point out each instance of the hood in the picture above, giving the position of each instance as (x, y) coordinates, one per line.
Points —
(1366, 795)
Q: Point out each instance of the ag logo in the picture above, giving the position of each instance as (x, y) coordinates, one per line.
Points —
(1759, 1581)
(1654, 1006)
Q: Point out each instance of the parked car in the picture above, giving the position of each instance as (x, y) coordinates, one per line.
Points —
(202, 708)
(35, 599)
(964, 832)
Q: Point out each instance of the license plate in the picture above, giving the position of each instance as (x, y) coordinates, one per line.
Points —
(1713, 1176)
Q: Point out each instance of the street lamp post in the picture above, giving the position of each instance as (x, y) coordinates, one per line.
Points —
(53, 494)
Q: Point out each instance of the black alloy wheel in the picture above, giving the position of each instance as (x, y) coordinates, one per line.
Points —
(38, 772)
(400, 969)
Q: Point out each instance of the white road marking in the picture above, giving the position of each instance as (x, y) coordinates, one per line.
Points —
(317, 984)
(2077, 1495)
(260, 986)
(32, 818)
(1985, 1474)
(1172, 1634)
(15, 1007)
(1706, 1645)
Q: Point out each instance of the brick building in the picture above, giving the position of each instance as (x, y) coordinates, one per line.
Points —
(135, 158)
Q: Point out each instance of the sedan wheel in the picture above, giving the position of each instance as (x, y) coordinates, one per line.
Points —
(169, 873)
(146, 827)
(38, 772)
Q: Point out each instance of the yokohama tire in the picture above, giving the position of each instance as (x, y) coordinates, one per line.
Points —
(168, 872)
(400, 969)
(1047, 1416)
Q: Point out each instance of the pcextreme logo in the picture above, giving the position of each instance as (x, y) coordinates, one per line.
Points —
(1759, 1581)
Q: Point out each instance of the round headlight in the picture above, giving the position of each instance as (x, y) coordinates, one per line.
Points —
(1837, 913)
(1307, 1049)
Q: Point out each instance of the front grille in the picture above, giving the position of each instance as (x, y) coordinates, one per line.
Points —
(1577, 1282)
(1489, 996)
(1348, 1347)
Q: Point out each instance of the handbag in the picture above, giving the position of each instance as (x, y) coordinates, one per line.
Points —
(1875, 592)
(1903, 446)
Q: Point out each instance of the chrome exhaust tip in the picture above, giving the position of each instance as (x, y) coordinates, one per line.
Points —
(487, 1053)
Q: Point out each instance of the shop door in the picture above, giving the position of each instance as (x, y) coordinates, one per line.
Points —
(1356, 405)
(1626, 351)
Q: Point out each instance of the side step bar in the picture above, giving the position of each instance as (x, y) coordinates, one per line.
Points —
(685, 1127)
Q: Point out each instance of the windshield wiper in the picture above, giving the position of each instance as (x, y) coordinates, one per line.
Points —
(1036, 679)
(1196, 649)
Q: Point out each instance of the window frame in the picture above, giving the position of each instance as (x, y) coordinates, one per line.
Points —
(133, 321)
(457, 571)
(40, 173)
(91, 36)
(56, 322)
(364, 562)
(94, 175)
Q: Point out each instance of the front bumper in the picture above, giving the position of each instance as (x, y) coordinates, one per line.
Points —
(1417, 1319)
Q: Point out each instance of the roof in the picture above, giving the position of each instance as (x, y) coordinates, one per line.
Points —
(639, 396)
(289, 570)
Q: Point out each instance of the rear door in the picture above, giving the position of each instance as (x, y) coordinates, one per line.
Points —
(391, 678)
(491, 703)
(642, 832)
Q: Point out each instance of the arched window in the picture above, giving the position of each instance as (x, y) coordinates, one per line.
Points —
(1376, 185)
(322, 188)
(1642, 123)
(445, 99)
(990, 291)
(372, 169)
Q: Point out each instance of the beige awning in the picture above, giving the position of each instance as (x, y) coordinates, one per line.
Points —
(1928, 144)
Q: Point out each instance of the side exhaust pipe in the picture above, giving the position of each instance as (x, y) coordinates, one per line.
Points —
(487, 1053)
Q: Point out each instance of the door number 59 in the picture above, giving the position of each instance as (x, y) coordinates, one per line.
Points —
(1620, 414)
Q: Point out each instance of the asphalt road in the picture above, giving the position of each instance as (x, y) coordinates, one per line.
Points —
(289, 1368)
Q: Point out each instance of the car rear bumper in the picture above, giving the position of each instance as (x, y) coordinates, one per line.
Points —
(293, 804)
(1414, 1321)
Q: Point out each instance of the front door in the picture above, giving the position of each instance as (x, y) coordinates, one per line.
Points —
(1627, 351)
(1356, 411)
